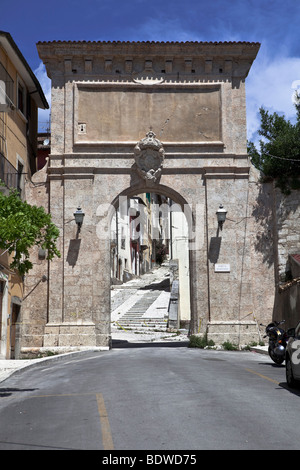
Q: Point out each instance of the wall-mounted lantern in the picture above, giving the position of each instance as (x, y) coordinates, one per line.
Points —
(221, 216)
(79, 215)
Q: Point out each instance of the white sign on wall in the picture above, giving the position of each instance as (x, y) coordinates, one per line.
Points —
(222, 268)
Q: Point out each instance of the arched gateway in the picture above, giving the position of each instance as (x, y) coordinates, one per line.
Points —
(127, 117)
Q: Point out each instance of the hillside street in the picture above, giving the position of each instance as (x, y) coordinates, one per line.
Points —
(150, 392)
(150, 396)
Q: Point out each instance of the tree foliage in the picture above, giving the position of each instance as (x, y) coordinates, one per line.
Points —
(279, 154)
(23, 226)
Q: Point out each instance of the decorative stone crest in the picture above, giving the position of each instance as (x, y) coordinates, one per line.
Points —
(149, 155)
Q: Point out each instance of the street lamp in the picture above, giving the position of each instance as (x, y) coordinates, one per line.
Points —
(221, 216)
(79, 215)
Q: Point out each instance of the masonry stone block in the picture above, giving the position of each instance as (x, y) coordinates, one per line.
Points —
(198, 114)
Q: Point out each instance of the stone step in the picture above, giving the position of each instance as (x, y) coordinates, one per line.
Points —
(134, 318)
(142, 322)
(139, 322)
(142, 327)
(142, 319)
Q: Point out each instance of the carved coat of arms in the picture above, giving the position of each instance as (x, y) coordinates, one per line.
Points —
(149, 155)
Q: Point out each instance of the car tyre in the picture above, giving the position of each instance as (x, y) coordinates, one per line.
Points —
(289, 373)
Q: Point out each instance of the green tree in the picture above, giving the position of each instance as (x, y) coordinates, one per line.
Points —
(279, 154)
(23, 226)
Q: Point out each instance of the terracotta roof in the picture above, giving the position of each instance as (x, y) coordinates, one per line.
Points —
(152, 42)
(296, 258)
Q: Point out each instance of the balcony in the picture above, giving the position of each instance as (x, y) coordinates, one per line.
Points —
(8, 174)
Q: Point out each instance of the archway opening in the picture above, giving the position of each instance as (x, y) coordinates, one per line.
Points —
(150, 235)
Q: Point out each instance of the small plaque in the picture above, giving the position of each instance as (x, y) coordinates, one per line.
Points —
(222, 268)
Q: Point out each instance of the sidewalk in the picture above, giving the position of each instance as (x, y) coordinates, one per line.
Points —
(9, 367)
(260, 349)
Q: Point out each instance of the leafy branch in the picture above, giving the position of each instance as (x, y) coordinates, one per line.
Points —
(23, 226)
(279, 154)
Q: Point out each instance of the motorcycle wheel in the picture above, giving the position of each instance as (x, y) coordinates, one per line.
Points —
(276, 359)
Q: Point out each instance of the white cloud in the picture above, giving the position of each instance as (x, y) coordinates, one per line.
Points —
(161, 28)
(271, 84)
(45, 82)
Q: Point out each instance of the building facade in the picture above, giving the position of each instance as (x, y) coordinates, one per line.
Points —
(20, 98)
(131, 242)
(134, 118)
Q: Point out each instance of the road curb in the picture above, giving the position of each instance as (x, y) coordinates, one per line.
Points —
(30, 363)
(260, 349)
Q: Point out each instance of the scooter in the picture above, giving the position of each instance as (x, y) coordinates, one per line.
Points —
(278, 339)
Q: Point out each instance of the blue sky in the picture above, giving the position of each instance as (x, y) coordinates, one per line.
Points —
(274, 23)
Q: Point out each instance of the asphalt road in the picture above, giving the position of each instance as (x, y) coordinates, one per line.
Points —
(158, 397)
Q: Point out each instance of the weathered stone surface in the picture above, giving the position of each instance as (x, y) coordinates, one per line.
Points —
(192, 96)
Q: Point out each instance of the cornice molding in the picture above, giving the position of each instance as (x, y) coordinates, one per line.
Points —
(69, 48)
(124, 58)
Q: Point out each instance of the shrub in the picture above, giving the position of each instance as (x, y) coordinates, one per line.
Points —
(200, 342)
(228, 346)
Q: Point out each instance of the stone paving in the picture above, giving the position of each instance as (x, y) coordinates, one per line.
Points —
(140, 308)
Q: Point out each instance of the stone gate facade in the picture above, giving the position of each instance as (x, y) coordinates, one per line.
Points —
(126, 117)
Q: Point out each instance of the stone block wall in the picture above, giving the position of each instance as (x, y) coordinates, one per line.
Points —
(195, 104)
(287, 209)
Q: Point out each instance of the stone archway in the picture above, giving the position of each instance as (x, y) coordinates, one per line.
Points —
(109, 100)
(167, 207)
(75, 313)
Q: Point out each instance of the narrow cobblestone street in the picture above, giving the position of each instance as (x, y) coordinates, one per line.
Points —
(139, 309)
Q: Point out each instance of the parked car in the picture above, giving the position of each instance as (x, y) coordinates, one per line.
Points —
(292, 357)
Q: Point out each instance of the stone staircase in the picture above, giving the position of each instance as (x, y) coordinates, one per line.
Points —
(135, 317)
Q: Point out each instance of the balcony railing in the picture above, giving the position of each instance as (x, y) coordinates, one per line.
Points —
(8, 174)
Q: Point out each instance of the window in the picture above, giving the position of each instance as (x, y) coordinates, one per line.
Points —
(15, 330)
(1, 302)
(123, 239)
(21, 98)
(6, 83)
(297, 332)
(20, 177)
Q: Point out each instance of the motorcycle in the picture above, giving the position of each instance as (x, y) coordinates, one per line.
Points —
(278, 339)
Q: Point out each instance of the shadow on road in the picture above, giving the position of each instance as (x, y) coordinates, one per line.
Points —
(294, 391)
(7, 392)
(272, 364)
(121, 344)
(162, 285)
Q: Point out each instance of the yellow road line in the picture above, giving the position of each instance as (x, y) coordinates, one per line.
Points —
(120, 326)
(107, 440)
(263, 376)
(105, 426)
